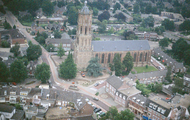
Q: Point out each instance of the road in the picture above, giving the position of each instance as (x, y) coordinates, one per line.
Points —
(55, 80)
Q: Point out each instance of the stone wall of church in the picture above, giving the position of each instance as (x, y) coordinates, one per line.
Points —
(141, 58)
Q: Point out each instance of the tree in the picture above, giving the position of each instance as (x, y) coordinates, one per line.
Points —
(47, 7)
(7, 25)
(42, 72)
(187, 57)
(41, 40)
(34, 52)
(168, 75)
(94, 68)
(129, 35)
(95, 11)
(128, 63)
(158, 88)
(2, 9)
(14, 27)
(136, 8)
(117, 6)
(169, 25)
(148, 22)
(164, 42)
(102, 26)
(5, 44)
(60, 51)
(15, 50)
(50, 48)
(159, 30)
(68, 69)
(18, 71)
(120, 16)
(117, 64)
(104, 16)
(178, 82)
(57, 34)
(72, 15)
(4, 72)
(113, 114)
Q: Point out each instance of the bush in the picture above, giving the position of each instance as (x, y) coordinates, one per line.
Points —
(97, 94)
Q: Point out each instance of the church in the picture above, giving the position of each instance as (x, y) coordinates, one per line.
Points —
(85, 48)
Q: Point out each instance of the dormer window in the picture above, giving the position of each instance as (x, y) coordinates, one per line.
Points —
(120, 95)
(5, 92)
(117, 93)
(124, 97)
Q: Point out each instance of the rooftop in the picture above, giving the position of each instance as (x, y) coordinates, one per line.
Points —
(130, 91)
(57, 113)
(6, 108)
(120, 45)
(115, 81)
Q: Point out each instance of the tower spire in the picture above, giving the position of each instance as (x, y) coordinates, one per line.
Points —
(85, 3)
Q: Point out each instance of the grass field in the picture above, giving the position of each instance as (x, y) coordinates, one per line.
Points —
(144, 69)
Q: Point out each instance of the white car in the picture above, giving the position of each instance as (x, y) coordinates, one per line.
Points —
(87, 100)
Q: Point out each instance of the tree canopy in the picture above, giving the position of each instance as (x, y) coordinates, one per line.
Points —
(128, 63)
(7, 25)
(148, 22)
(94, 68)
(117, 64)
(4, 72)
(185, 26)
(72, 15)
(47, 7)
(60, 51)
(34, 52)
(42, 72)
(104, 16)
(15, 50)
(68, 69)
(129, 35)
(113, 114)
(164, 42)
(169, 25)
(18, 71)
(102, 26)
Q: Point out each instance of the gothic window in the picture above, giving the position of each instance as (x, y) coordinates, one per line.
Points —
(102, 58)
(97, 55)
(77, 40)
(109, 57)
(89, 30)
(145, 57)
(81, 30)
(141, 57)
(85, 30)
(135, 55)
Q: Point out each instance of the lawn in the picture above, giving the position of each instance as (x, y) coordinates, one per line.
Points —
(26, 23)
(144, 69)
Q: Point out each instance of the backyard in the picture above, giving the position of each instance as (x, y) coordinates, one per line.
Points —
(145, 69)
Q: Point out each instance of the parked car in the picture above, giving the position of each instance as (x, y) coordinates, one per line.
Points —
(87, 100)
(82, 74)
(97, 110)
(102, 114)
(94, 98)
(96, 84)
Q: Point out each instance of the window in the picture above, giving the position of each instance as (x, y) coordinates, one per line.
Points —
(81, 30)
(109, 57)
(107, 85)
(85, 30)
(145, 57)
(102, 58)
(140, 57)
(124, 97)
(135, 55)
(116, 93)
(120, 95)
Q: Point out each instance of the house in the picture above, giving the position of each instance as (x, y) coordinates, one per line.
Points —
(58, 12)
(137, 105)
(54, 26)
(2, 18)
(121, 89)
(66, 43)
(167, 89)
(9, 61)
(15, 36)
(39, 13)
(44, 20)
(176, 66)
(10, 112)
(176, 17)
(38, 29)
(147, 35)
(30, 110)
(5, 55)
(186, 79)
(149, 77)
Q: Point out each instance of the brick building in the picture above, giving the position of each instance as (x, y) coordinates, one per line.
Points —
(84, 47)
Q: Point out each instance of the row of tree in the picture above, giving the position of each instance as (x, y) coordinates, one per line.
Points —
(122, 68)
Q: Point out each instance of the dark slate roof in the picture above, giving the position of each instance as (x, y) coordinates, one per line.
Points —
(9, 89)
(85, 10)
(19, 114)
(6, 108)
(120, 45)
(115, 81)
(5, 54)
(64, 96)
(166, 113)
(58, 41)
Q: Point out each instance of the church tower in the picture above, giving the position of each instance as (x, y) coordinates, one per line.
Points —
(83, 48)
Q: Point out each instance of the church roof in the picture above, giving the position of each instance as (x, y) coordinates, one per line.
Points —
(120, 45)
(85, 9)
